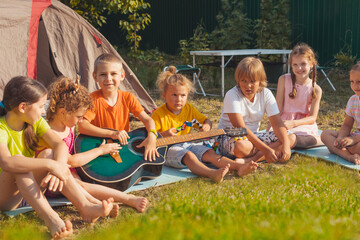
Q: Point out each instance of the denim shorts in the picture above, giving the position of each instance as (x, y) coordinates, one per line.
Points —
(176, 153)
(227, 143)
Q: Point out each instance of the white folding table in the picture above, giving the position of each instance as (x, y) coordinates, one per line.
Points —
(232, 53)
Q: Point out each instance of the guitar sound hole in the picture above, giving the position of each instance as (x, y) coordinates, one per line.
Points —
(134, 146)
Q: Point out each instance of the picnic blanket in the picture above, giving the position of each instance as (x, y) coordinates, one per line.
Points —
(323, 153)
(169, 175)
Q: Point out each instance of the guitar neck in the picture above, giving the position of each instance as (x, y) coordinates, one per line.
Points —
(188, 137)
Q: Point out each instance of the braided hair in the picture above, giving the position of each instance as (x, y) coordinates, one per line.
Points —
(304, 50)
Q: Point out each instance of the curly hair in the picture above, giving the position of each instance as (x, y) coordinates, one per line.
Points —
(67, 94)
(170, 77)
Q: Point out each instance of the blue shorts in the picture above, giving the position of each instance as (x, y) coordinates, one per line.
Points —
(176, 153)
(227, 144)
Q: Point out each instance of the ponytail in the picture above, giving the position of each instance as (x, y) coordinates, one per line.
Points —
(23, 89)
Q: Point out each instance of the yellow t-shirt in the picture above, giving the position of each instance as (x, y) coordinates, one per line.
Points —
(15, 140)
(164, 119)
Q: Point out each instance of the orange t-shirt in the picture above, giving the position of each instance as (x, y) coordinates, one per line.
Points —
(117, 117)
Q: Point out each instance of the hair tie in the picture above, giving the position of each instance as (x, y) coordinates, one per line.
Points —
(2, 104)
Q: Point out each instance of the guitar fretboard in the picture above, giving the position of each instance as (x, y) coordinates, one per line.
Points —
(188, 137)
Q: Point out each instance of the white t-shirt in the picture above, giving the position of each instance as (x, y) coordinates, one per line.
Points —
(251, 112)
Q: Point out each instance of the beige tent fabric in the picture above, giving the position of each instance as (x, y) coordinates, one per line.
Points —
(14, 34)
(66, 46)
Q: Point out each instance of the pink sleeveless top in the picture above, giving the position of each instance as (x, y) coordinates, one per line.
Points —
(69, 140)
(298, 107)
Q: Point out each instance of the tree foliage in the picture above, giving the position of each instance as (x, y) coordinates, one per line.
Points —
(234, 27)
(134, 11)
(273, 29)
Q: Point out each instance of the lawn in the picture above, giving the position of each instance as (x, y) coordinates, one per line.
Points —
(305, 198)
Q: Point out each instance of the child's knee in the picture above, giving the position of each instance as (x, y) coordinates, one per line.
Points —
(293, 139)
(189, 156)
(326, 134)
(210, 155)
(242, 148)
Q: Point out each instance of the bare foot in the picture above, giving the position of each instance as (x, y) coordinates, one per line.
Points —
(63, 232)
(247, 168)
(139, 203)
(220, 173)
(93, 212)
(355, 158)
(114, 211)
(254, 158)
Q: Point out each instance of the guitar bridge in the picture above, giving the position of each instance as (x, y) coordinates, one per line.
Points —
(115, 156)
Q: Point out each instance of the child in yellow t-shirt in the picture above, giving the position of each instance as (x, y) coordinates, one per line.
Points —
(175, 90)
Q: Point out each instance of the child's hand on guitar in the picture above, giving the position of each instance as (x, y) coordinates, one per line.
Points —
(170, 132)
(122, 136)
(150, 148)
(205, 127)
(109, 147)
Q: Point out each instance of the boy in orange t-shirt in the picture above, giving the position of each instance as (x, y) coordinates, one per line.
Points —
(111, 107)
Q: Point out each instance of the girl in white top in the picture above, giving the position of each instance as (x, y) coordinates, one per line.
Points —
(245, 106)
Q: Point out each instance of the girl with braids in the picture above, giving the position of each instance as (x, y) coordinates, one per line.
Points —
(22, 177)
(175, 89)
(68, 104)
(345, 143)
(245, 106)
(298, 97)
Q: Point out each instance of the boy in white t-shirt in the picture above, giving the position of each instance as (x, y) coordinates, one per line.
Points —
(245, 106)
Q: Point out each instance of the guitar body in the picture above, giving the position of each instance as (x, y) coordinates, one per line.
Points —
(106, 171)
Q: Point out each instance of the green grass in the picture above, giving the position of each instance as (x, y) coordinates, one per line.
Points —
(303, 199)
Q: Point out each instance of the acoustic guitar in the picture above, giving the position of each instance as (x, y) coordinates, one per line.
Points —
(121, 171)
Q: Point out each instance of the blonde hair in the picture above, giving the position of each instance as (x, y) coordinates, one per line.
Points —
(106, 58)
(253, 69)
(305, 51)
(170, 77)
(356, 67)
(67, 94)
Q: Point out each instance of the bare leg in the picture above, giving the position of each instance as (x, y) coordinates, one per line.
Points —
(102, 192)
(350, 154)
(114, 211)
(221, 161)
(197, 167)
(259, 156)
(12, 185)
(243, 149)
(89, 210)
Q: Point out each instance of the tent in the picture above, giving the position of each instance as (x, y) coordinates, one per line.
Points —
(43, 39)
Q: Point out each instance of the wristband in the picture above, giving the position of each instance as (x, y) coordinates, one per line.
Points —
(153, 131)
